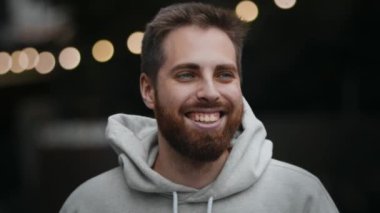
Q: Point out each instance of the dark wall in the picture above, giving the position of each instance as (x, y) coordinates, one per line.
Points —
(311, 74)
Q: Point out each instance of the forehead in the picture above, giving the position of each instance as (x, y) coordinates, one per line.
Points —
(195, 44)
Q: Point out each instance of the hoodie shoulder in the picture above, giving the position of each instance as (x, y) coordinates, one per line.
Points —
(294, 171)
(96, 193)
(297, 178)
(298, 184)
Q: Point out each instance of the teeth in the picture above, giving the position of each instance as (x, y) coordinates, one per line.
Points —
(205, 117)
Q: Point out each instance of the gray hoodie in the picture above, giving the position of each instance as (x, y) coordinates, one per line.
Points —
(251, 181)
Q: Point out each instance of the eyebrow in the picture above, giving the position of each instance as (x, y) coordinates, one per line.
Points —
(194, 66)
(226, 66)
(191, 66)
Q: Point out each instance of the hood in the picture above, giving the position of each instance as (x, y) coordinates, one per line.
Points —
(134, 138)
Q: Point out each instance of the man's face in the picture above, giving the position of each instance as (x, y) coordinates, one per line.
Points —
(198, 99)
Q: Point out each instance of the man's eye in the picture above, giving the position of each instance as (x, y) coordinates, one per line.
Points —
(185, 76)
(226, 75)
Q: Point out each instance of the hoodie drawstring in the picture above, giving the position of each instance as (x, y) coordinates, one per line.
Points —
(175, 203)
(209, 204)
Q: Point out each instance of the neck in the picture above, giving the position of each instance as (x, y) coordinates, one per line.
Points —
(182, 170)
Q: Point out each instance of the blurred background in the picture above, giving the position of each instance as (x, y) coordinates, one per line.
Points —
(311, 74)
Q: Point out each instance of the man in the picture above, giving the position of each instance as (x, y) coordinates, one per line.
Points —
(206, 151)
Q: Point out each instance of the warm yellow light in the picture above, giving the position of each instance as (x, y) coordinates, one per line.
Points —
(69, 58)
(46, 63)
(134, 42)
(247, 11)
(33, 57)
(285, 4)
(102, 50)
(19, 61)
(5, 62)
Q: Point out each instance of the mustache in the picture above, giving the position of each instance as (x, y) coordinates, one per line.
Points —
(221, 106)
(214, 104)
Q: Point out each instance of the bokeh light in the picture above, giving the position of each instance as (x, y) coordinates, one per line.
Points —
(102, 51)
(134, 42)
(69, 58)
(46, 63)
(285, 4)
(19, 61)
(5, 62)
(33, 57)
(247, 11)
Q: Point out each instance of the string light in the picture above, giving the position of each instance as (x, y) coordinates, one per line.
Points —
(5, 62)
(247, 11)
(134, 42)
(285, 4)
(102, 51)
(69, 58)
(33, 57)
(19, 61)
(46, 63)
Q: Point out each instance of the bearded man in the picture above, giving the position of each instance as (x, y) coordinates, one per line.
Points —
(205, 151)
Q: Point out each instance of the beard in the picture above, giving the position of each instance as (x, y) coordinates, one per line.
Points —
(197, 145)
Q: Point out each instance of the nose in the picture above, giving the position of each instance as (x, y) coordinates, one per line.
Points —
(208, 91)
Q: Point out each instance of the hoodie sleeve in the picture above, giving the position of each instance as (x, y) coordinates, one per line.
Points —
(294, 189)
(320, 201)
(82, 200)
(72, 204)
(103, 193)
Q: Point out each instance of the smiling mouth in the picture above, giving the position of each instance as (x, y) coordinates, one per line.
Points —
(204, 117)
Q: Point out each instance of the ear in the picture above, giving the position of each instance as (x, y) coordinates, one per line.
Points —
(147, 91)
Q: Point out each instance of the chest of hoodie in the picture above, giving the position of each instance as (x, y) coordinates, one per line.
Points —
(246, 201)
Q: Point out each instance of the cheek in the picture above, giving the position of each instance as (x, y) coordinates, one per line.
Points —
(232, 93)
(172, 95)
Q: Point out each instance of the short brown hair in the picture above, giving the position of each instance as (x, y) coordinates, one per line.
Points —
(183, 14)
